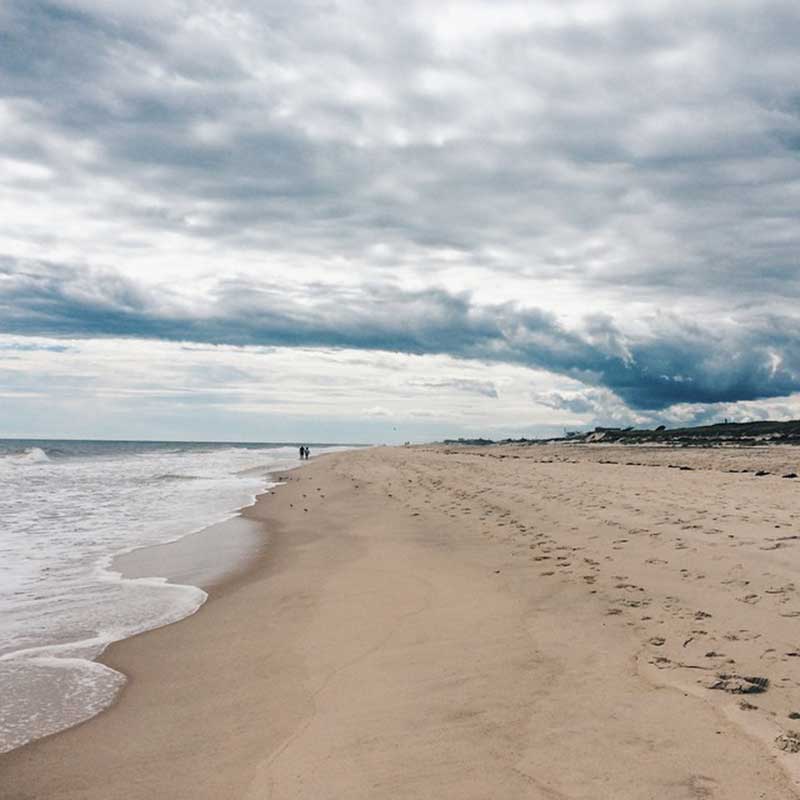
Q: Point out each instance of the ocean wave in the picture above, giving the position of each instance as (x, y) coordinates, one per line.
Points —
(171, 476)
(31, 455)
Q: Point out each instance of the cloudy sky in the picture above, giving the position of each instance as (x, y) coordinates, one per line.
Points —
(380, 221)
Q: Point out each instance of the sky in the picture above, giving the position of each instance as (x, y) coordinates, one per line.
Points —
(377, 221)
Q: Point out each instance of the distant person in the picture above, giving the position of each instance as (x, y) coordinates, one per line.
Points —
(302, 452)
(308, 452)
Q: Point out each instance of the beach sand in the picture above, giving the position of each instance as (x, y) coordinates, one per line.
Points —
(518, 622)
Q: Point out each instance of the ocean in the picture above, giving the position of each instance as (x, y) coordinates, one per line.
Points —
(67, 508)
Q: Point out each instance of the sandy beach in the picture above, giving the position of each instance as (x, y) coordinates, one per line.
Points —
(430, 622)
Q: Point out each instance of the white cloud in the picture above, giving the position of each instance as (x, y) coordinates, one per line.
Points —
(378, 411)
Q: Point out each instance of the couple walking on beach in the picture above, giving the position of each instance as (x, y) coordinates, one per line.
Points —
(304, 452)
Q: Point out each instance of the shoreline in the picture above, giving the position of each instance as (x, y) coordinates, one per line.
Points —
(419, 631)
(199, 561)
(137, 658)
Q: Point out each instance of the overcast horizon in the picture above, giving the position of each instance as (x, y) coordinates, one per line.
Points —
(381, 222)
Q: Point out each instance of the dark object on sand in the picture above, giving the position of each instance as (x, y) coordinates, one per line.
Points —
(790, 475)
(789, 741)
(740, 684)
(761, 473)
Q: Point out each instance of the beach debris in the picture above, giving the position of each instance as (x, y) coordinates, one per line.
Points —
(740, 684)
(793, 715)
(761, 473)
(745, 706)
(701, 615)
(789, 742)
(789, 475)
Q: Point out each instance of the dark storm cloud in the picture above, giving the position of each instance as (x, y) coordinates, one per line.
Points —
(674, 362)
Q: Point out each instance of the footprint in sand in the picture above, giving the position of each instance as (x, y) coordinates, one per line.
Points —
(701, 787)
(634, 603)
(750, 599)
(780, 590)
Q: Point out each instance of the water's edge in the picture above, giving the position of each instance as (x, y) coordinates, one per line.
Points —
(191, 563)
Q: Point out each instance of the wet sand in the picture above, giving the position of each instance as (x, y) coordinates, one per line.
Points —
(209, 558)
(498, 623)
